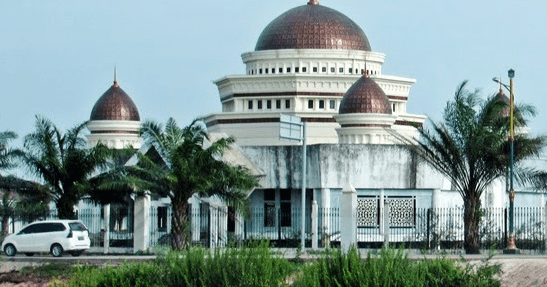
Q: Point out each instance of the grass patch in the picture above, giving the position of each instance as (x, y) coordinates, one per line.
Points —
(392, 268)
(246, 266)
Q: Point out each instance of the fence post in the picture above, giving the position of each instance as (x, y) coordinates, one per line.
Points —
(141, 231)
(386, 225)
(348, 218)
(314, 225)
(381, 214)
(545, 225)
(106, 238)
(428, 226)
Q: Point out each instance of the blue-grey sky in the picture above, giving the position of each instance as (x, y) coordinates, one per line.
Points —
(57, 57)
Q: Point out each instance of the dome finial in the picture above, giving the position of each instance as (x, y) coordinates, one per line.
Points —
(313, 2)
(115, 79)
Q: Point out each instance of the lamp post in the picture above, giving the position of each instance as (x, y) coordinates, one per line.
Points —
(511, 246)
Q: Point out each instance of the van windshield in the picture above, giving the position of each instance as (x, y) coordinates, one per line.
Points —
(77, 226)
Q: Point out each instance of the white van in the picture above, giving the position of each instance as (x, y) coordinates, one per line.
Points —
(55, 236)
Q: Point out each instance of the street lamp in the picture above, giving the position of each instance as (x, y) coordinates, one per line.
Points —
(511, 246)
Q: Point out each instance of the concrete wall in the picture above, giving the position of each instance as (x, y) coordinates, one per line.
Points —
(334, 165)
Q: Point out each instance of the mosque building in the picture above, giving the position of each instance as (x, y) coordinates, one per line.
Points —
(314, 63)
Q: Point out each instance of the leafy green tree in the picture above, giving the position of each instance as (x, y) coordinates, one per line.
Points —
(178, 165)
(63, 162)
(470, 147)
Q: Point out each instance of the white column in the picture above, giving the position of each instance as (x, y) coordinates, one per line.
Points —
(325, 206)
(314, 221)
(348, 220)
(213, 227)
(435, 198)
(195, 219)
(141, 230)
(239, 231)
(106, 220)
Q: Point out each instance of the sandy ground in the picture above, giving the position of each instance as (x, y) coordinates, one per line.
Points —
(523, 272)
(520, 272)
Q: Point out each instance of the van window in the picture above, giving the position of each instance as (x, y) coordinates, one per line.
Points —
(77, 226)
(54, 227)
(29, 229)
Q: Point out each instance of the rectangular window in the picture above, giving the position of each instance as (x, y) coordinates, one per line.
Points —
(341, 70)
(269, 104)
(310, 104)
(315, 69)
(273, 70)
(280, 70)
(266, 70)
(287, 104)
(288, 69)
(260, 71)
(231, 219)
(332, 69)
(321, 104)
(296, 69)
(259, 104)
(304, 69)
(332, 104)
(278, 104)
(349, 71)
(162, 218)
(250, 104)
(285, 207)
(269, 208)
(324, 69)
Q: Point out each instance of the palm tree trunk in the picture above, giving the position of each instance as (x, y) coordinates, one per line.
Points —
(5, 223)
(180, 233)
(65, 208)
(471, 225)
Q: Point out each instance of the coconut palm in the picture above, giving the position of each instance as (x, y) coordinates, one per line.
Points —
(63, 162)
(178, 165)
(471, 149)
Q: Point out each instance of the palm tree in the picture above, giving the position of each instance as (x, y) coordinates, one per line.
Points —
(178, 165)
(63, 162)
(470, 148)
(19, 196)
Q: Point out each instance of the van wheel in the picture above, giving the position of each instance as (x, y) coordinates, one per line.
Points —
(10, 250)
(56, 250)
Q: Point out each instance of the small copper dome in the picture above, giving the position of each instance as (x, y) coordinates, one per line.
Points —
(312, 26)
(500, 96)
(115, 105)
(365, 97)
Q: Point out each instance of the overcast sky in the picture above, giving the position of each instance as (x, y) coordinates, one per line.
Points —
(57, 57)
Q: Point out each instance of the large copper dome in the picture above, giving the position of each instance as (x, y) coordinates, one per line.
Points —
(113, 105)
(312, 26)
(365, 97)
